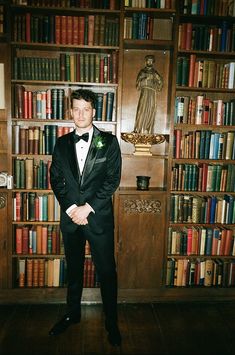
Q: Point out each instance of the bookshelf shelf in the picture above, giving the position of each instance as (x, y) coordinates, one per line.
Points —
(219, 161)
(185, 126)
(211, 54)
(221, 225)
(205, 90)
(65, 83)
(62, 47)
(202, 193)
(195, 256)
(63, 10)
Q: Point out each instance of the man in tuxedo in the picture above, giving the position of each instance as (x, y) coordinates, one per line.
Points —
(84, 174)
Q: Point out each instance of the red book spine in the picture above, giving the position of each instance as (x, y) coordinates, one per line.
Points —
(69, 30)
(75, 30)
(39, 239)
(183, 36)
(222, 243)
(178, 137)
(54, 241)
(18, 206)
(63, 30)
(36, 206)
(228, 242)
(112, 4)
(192, 62)
(19, 241)
(189, 241)
(205, 117)
(57, 29)
(48, 173)
(25, 104)
(44, 239)
(91, 24)
(28, 20)
(25, 240)
(188, 41)
(81, 29)
(30, 104)
(204, 176)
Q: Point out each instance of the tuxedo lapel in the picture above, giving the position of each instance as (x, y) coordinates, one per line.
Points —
(73, 162)
(91, 156)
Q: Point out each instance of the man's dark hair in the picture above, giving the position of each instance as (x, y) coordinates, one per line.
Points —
(84, 94)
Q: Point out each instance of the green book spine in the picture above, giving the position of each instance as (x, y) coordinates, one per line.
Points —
(31, 204)
(44, 207)
(22, 174)
(99, 106)
(218, 177)
(109, 106)
(67, 67)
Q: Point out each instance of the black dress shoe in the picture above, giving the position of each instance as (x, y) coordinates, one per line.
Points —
(114, 336)
(63, 324)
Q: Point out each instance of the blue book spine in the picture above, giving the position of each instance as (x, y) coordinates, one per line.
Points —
(209, 236)
(213, 209)
(216, 146)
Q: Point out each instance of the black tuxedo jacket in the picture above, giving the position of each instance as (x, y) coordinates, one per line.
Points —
(96, 185)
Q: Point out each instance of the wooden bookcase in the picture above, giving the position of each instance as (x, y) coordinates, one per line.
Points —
(201, 232)
(142, 218)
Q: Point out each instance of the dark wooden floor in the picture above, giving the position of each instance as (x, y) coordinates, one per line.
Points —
(159, 329)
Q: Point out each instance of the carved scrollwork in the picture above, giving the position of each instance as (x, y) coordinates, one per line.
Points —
(142, 206)
(3, 200)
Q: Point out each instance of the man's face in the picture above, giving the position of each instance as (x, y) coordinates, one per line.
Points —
(82, 114)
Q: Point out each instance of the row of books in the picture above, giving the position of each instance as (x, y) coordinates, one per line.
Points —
(194, 72)
(37, 140)
(203, 177)
(159, 4)
(77, 67)
(91, 4)
(40, 272)
(31, 173)
(200, 272)
(91, 30)
(204, 144)
(201, 241)
(200, 37)
(145, 27)
(41, 239)
(55, 104)
(209, 7)
(38, 239)
(202, 209)
(32, 206)
(202, 110)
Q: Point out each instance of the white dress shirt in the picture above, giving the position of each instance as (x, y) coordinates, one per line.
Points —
(82, 148)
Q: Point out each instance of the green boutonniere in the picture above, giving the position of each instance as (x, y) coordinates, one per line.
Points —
(99, 142)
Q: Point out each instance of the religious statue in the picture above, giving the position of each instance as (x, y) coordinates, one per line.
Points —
(149, 82)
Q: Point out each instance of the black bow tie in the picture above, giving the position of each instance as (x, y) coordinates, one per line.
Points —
(84, 136)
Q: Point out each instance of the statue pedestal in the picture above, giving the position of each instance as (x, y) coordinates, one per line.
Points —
(142, 149)
(143, 142)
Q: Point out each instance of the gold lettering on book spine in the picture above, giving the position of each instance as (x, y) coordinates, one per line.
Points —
(142, 206)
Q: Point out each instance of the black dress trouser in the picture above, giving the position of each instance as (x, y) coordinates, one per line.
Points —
(102, 250)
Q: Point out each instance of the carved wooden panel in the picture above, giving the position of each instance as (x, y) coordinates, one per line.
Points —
(141, 226)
